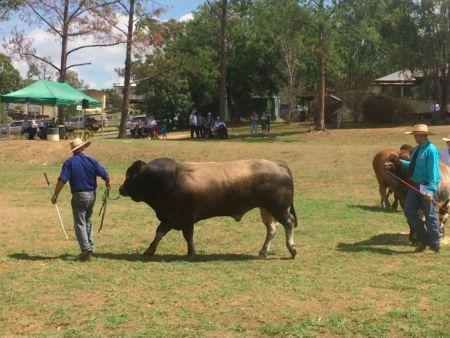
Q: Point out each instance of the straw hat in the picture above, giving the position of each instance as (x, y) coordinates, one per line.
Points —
(446, 139)
(78, 143)
(419, 129)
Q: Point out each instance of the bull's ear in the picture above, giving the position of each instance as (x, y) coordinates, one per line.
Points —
(137, 165)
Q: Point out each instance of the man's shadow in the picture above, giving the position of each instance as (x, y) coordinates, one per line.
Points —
(374, 244)
(137, 257)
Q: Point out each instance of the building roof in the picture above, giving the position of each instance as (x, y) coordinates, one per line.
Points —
(399, 78)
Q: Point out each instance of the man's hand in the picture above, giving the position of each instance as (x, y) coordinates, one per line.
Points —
(108, 182)
(428, 197)
(54, 199)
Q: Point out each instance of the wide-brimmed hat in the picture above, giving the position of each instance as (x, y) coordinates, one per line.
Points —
(78, 143)
(446, 139)
(419, 129)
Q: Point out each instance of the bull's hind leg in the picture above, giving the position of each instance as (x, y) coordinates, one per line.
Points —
(161, 231)
(288, 221)
(271, 230)
(188, 234)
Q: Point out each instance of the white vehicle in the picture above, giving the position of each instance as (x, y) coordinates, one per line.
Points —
(13, 128)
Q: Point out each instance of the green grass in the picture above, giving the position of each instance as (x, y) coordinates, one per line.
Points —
(354, 275)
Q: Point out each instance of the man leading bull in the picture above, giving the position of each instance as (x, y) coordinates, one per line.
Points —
(424, 174)
(81, 171)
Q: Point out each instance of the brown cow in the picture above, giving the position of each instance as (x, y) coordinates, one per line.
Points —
(386, 183)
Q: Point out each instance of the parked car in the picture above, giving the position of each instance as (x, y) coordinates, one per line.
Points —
(81, 122)
(12, 128)
(134, 121)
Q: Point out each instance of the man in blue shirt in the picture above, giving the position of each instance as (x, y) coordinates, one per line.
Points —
(424, 174)
(81, 171)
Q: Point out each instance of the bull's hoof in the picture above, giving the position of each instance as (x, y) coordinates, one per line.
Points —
(262, 255)
(293, 253)
(149, 252)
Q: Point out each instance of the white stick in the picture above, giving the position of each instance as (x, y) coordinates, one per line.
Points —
(57, 209)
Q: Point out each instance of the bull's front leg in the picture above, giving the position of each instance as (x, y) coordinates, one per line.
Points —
(161, 231)
(188, 234)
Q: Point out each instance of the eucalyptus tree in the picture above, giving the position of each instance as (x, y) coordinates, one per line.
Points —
(65, 20)
(361, 53)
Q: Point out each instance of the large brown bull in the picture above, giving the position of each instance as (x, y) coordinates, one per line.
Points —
(184, 193)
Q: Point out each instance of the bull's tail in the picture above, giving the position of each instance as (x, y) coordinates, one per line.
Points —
(294, 214)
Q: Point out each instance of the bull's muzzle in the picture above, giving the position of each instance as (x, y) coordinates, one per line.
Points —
(122, 191)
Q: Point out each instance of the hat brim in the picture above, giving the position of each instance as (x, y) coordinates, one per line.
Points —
(84, 144)
(446, 139)
(418, 132)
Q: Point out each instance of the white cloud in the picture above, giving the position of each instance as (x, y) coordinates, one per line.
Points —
(186, 17)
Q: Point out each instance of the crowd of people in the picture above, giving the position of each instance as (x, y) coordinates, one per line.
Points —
(208, 127)
(266, 119)
(150, 128)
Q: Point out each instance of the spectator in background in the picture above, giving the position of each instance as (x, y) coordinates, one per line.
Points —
(267, 121)
(447, 113)
(165, 129)
(209, 125)
(201, 122)
(444, 154)
(221, 128)
(339, 115)
(193, 123)
(254, 123)
(435, 108)
(32, 129)
(25, 126)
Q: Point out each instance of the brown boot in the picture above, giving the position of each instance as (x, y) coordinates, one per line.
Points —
(85, 256)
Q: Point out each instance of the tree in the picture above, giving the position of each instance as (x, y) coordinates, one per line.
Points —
(8, 6)
(66, 20)
(10, 79)
(133, 10)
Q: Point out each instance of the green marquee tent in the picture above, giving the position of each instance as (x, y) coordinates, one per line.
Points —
(44, 92)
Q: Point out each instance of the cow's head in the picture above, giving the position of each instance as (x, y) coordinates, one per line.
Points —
(443, 216)
(131, 186)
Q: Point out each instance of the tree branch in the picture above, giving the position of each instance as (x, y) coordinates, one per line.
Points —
(43, 19)
(77, 11)
(95, 45)
(79, 64)
(110, 22)
(42, 59)
(215, 11)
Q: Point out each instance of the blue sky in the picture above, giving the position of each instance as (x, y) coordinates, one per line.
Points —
(100, 74)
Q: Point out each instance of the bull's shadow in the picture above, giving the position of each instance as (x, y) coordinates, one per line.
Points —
(375, 243)
(137, 257)
(374, 208)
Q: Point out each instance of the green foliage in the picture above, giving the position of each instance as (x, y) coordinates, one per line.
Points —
(10, 79)
(380, 108)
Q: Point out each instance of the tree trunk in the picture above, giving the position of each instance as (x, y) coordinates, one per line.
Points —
(62, 70)
(127, 75)
(321, 121)
(223, 61)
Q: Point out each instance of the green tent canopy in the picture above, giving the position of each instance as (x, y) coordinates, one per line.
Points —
(49, 93)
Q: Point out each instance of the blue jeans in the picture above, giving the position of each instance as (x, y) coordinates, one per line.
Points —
(82, 207)
(428, 232)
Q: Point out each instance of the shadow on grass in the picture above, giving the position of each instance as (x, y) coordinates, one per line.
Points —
(136, 257)
(372, 244)
(373, 208)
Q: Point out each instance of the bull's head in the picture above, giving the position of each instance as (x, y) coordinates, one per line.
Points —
(131, 185)
(443, 216)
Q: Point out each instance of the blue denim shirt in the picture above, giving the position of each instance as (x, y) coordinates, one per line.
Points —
(82, 171)
(427, 166)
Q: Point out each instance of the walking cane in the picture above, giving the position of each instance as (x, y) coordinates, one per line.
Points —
(57, 209)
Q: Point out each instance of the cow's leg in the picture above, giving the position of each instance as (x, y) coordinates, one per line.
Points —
(395, 204)
(188, 234)
(161, 231)
(384, 193)
(271, 227)
(288, 221)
